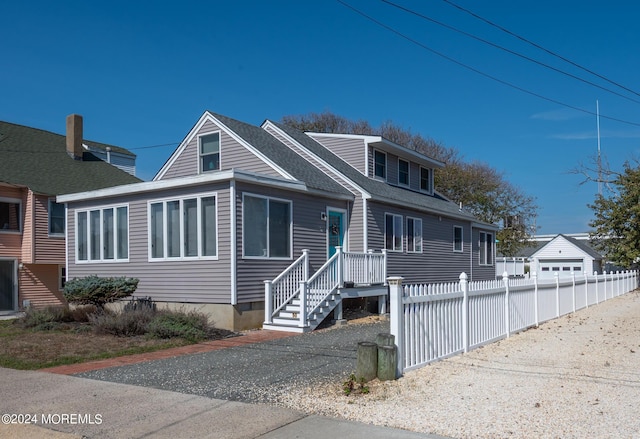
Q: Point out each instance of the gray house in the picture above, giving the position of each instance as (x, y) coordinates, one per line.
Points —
(270, 225)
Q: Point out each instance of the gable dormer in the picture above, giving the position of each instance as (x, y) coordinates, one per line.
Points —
(213, 146)
(383, 160)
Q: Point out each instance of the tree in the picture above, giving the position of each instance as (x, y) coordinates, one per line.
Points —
(482, 190)
(616, 227)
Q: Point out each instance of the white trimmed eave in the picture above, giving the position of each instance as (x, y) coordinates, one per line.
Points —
(207, 116)
(197, 180)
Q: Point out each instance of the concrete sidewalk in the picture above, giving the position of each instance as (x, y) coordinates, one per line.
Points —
(70, 407)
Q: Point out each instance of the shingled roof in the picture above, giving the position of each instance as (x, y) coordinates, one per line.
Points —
(38, 159)
(378, 190)
(282, 155)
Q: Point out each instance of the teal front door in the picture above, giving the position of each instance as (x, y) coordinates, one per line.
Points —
(7, 286)
(335, 231)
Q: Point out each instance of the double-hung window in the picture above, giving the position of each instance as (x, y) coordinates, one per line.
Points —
(102, 234)
(56, 218)
(425, 179)
(10, 215)
(266, 227)
(393, 232)
(379, 164)
(414, 235)
(457, 239)
(184, 228)
(209, 151)
(403, 172)
(486, 248)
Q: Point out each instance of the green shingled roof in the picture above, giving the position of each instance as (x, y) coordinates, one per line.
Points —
(39, 160)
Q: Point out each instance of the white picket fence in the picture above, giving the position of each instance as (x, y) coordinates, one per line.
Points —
(432, 322)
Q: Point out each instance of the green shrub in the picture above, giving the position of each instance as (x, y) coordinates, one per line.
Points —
(99, 291)
(192, 326)
(122, 324)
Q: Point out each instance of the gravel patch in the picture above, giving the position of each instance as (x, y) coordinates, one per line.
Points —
(258, 373)
(573, 377)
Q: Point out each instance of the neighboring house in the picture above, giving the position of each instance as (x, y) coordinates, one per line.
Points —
(565, 254)
(551, 254)
(35, 167)
(237, 204)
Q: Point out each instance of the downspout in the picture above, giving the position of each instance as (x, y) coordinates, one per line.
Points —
(365, 226)
(234, 254)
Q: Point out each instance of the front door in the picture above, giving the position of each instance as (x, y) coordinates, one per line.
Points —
(7, 285)
(335, 230)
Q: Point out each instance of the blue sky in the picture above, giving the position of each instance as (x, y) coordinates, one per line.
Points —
(142, 73)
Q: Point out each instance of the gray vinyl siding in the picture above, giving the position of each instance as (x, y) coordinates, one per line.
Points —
(392, 169)
(187, 281)
(351, 151)
(309, 232)
(437, 262)
(232, 155)
(356, 227)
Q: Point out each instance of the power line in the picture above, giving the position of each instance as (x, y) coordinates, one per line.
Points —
(155, 146)
(512, 52)
(538, 46)
(486, 75)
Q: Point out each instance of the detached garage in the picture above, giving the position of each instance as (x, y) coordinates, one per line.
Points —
(564, 255)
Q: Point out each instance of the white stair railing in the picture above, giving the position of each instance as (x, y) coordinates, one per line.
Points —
(356, 268)
(281, 290)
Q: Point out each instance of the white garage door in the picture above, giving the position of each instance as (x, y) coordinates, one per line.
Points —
(564, 267)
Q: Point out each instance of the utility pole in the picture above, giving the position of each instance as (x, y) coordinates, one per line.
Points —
(599, 155)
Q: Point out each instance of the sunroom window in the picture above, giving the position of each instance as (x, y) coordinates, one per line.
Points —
(183, 228)
(102, 234)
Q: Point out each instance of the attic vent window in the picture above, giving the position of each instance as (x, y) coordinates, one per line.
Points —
(210, 152)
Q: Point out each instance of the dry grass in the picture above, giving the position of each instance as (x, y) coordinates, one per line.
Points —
(22, 348)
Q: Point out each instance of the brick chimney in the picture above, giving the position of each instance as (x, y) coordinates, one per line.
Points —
(74, 136)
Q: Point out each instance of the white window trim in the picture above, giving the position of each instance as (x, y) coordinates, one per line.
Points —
(461, 239)
(430, 171)
(55, 235)
(394, 215)
(408, 183)
(101, 209)
(199, 155)
(271, 258)
(480, 249)
(414, 219)
(165, 243)
(17, 201)
(386, 165)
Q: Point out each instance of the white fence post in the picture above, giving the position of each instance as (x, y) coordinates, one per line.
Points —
(505, 281)
(557, 294)
(535, 296)
(464, 286)
(573, 291)
(340, 261)
(303, 304)
(397, 317)
(586, 289)
(268, 303)
(595, 274)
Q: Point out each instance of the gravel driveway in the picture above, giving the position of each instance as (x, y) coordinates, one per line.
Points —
(258, 373)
